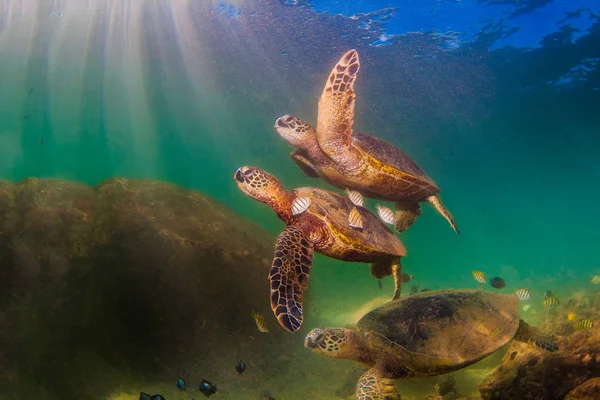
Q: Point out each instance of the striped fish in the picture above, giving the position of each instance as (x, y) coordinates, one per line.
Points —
(385, 214)
(523, 294)
(584, 324)
(595, 280)
(299, 205)
(355, 219)
(550, 302)
(261, 323)
(355, 197)
(479, 276)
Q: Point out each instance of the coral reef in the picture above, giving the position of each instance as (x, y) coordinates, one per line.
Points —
(128, 281)
(529, 373)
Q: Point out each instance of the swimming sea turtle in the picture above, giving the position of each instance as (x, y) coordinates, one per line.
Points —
(347, 160)
(317, 220)
(426, 334)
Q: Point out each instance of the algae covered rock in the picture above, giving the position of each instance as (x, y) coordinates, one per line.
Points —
(589, 390)
(127, 282)
(529, 373)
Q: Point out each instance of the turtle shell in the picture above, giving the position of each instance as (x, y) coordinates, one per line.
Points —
(332, 209)
(441, 331)
(412, 182)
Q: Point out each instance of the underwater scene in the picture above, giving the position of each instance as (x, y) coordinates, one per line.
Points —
(299, 199)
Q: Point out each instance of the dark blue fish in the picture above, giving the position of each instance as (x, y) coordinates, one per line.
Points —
(145, 396)
(207, 388)
(497, 283)
(240, 367)
(181, 384)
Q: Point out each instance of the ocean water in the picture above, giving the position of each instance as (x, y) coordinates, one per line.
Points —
(187, 91)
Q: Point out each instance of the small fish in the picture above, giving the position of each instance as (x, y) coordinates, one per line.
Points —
(181, 384)
(355, 219)
(300, 204)
(41, 140)
(526, 307)
(571, 316)
(513, 355)
(414, 289)
(479, 276)
(240, 367)
(584, 324)
(207, 388)
(385, 214)
(550, 302)
(425, 290)
(145, 396)
(595, 280)
(523, 294)
(497, 283)
(30, 90)
(379, 283)
(407, 278)
(355, 197)
(261, 323)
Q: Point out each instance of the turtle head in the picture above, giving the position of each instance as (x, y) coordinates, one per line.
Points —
(331, 342)
(264, 187)
(296, 132)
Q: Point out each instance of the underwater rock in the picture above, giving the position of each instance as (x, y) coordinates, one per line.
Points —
(589, 390)
(549, 376)
(129, 275)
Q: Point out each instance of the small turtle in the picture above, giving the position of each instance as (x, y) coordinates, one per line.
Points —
(365, 164)
(317, 220)
(426, 334)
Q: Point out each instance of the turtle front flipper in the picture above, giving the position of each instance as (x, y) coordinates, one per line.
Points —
(336, 106)
(406, 214)
(528, 334)
(436, 202)
(372, 386)
(302, 162)
(289, 276)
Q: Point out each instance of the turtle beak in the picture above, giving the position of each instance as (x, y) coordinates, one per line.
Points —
(308, 342)
(239, 176)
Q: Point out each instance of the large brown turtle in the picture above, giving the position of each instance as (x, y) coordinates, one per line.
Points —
(426, 334)
(368, 165)
(317, 220)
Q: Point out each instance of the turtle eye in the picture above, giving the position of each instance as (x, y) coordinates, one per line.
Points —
(248, 172)
(320, 337)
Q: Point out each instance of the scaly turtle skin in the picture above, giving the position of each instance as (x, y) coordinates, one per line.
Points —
(323, 227)
(426, 334)
(371, 166)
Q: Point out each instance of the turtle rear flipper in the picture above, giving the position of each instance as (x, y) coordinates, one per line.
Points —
(302, 162)
(371, 386)
(289, 276)
(406, 214)
(392, 267)
(529, 334)
(436, 202)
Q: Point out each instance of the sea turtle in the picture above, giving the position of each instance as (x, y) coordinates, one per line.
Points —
(317, 220)
(426, 334)
(366, 164)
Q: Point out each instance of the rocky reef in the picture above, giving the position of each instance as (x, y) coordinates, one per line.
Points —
(528, 373)
(129, 281)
